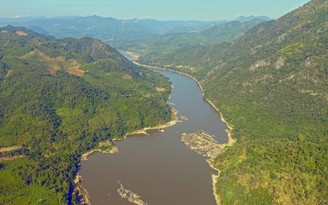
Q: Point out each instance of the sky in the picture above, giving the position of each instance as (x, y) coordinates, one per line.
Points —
(145, 9)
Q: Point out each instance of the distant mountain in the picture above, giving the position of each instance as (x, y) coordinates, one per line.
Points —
(169, 27)
(113, 31)
(58, 100)
(271, 85)
(107, 29)
(249, 18)
(167, 49)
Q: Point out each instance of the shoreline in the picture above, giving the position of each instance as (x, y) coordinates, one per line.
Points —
(231, 140)
(143, 131)
(111, 150)
(82, 193)
(215, 179)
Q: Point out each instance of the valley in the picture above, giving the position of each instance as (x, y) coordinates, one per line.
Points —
(270, 84)
(188, 112)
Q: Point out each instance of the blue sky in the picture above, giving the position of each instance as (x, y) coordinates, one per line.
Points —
(157, 9)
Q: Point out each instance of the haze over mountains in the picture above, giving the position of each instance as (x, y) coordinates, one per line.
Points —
(157, 48)
(111, 30)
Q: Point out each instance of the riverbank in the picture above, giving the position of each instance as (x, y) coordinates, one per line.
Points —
(111, 150)
(80, 191)
(215, 179)
(229, 129)
(174, 120)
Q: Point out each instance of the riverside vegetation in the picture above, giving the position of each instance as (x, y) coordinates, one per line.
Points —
(271, 86)
(58, 100)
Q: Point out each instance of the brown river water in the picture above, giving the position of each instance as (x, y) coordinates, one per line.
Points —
(159, 167)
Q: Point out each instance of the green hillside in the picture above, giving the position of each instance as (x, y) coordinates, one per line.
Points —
(165, 49)
(59, 99)
(271, 85)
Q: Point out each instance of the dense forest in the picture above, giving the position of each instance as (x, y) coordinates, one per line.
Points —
(59, 99)
(271, 87)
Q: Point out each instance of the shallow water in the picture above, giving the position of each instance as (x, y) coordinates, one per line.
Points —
(159, 167)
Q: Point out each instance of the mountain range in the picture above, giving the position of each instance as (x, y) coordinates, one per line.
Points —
(110, 30)
(161, 47)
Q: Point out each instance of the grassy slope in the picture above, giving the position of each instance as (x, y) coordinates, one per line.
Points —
(60, 98)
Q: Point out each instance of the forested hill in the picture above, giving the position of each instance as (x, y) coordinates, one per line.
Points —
(169, 49)
(278, 72)
(59, 99)
(272, 85)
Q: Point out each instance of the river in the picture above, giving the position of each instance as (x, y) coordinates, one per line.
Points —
(159, 167)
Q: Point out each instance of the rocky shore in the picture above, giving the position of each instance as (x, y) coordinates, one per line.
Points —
(205, 145)
(174, 117)
(80, 191)
(130, 195)
(106, 147)
(202, 143)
